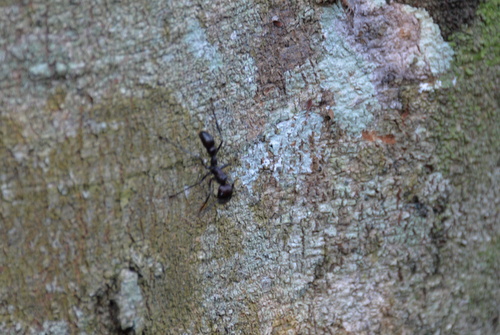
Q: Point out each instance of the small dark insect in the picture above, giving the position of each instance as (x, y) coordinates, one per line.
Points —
(225, 191)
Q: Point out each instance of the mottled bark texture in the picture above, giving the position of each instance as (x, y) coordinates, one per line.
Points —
(363, 145)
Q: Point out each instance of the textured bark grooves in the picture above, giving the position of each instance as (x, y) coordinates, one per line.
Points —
(361, 136)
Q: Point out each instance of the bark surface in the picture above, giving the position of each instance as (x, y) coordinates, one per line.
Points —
(363, 143)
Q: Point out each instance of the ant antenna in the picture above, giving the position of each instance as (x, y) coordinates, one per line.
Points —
(184, 150)
(217, 125)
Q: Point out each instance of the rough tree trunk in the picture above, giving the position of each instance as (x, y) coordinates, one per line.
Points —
(364, 145)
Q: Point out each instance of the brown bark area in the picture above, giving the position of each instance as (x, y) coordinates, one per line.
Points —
(365, 202)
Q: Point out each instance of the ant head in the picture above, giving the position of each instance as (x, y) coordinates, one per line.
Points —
(208, 142)
(207, 139)
(225, 193)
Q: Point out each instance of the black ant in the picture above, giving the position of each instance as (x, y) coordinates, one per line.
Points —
(225, 190)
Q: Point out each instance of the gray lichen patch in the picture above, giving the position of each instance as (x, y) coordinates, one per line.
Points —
(129, 301)
(394, 44)
(401, 40)
(436, 54)
(277, 156)
(196, 41)
(53, 328)
(347, 75)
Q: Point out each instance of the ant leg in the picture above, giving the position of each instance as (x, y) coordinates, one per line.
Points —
(225, 166)
(208, 197)
(190, 186)
(184, 150)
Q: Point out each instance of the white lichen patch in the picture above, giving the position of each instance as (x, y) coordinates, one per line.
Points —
(436, 187)
(7, 192)
(52, 328)
(41, 70)
(198, 45)
(377, 3)
(130, 302)
(354, 310)
(436, 53)
(427, 87)
(287, 150)
(347, 75)
(365, 5)
(390, 43)
(243, 83)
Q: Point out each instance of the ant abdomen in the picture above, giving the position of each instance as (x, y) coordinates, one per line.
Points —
(225, 193)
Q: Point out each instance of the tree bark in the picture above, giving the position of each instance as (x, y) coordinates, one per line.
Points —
(363, 145)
